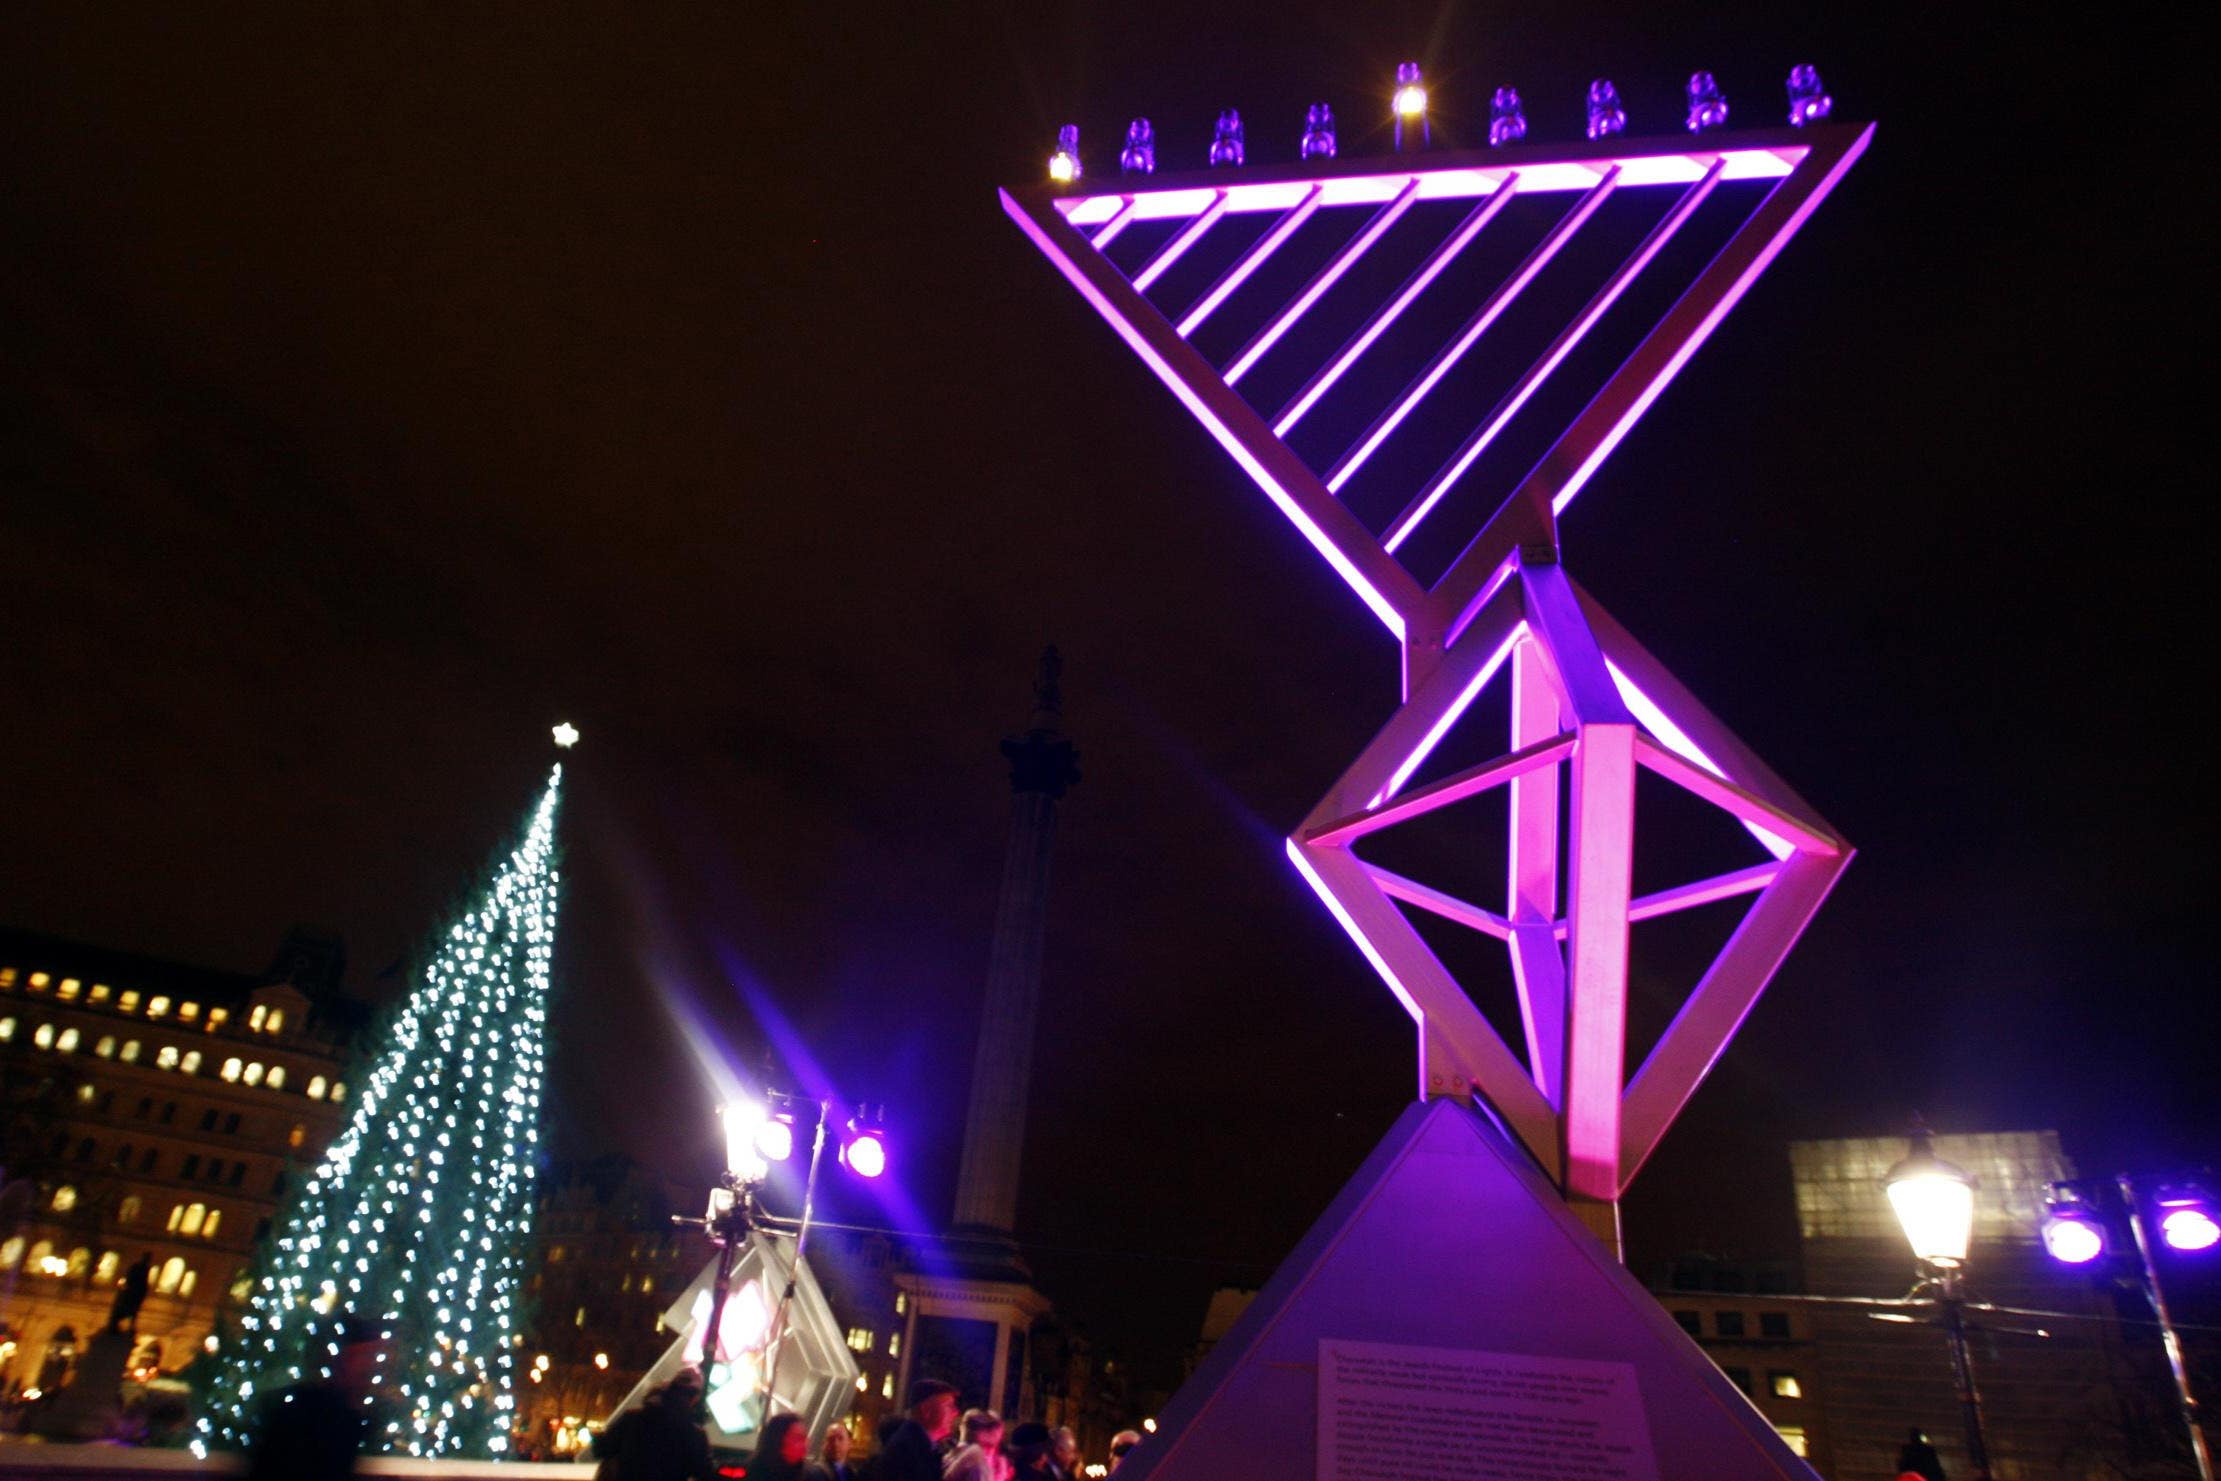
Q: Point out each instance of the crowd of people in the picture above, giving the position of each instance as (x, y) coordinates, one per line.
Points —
(661, 1440)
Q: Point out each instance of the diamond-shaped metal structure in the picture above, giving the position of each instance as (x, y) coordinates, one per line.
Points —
(1589, 707)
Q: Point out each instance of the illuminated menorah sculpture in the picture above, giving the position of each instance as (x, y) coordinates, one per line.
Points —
(1588, 706)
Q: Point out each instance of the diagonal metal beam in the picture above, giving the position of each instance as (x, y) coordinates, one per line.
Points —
(1253, 259)
(1337, 534)
(1443, 255)
(1568, 340)
(1357, 246)
(1469, 334)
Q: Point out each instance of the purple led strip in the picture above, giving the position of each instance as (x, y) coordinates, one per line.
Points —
(1115, 225)
(1313, 291)
(1474, 328)
(1253, 259)
(1552, 358)
(1175, 249)
(1429, 270)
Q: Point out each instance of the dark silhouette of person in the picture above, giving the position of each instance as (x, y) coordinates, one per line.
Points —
(911, 1453)
(659, 1439)
(313, 1431)
(131, 1294)
(1918, 1458)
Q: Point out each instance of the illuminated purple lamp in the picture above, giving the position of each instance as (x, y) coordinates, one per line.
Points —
(1226, 139)
(1410, 109)
(1606, 115)
(1139, 157)
(1318, 132)
(2186, 1222)
(1707, 104)
(1808, 100)
(1507, 121)
(1064, 165)
(2072, 1233)
(864, 1149)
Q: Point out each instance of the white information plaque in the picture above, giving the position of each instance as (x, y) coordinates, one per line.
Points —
(1393, 1413)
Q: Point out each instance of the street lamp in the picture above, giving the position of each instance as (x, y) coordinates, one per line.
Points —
(2074, 1232)
(1934, 1202)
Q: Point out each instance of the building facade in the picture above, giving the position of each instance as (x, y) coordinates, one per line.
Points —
(1748, 1320)
(158, 1110)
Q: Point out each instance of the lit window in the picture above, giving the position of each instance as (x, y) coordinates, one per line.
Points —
(578, 1319)
(127, 1212)
(1786, 1386)
(887, 1386)
(647, 1284)
(11, 1253)
(104, 1270)
(316, 1087)
(254, 1019)
(217, 1016)
(230, 1071)
(7, 976)
(40, 1253)
(860, 1339)
(39, 981)
(194, 1214)
(69, 989)
(130, 1053)
(100, 994)
(106, 1048)
(186, 1282)
(157, 1006)
(80, 1261)
(191, 1063)
(1792, 1435)
(165, 1058)
(277, 1077)
(902, 1302)
(339, 1090)
(894, 1344)
(215, 1218)
(177, 1212)
(65, 1199)
(43, 1036)
(129, 1002)
(67, 1043)
(188, 1011)
(254, 1073)
(85, 1093)
(297, 1135)
(276, 1024)
(242, 1288)
(7, 1030)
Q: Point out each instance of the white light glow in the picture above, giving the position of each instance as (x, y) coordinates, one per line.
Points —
(566, 735)
(1411, 101)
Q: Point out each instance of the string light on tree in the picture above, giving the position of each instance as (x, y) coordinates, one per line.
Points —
(420, 1215)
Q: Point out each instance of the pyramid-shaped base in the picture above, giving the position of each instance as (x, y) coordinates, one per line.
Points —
(1449, 1317)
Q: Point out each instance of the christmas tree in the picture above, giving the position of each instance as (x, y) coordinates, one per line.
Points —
(418, 1218)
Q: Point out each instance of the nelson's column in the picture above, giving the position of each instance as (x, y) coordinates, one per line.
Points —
(969, 1319)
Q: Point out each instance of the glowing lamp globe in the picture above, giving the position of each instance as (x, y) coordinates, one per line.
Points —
(744, 1123)
(775, 1139)
(2187, 1226)
(1934, 1202)
(2072, 1238)
(1064, 165)
(865, 1153)
(1411, 92)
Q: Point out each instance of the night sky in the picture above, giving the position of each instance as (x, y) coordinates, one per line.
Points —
(385, 383)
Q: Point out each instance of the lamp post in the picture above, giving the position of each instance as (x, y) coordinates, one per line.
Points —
(2074, 1232)
(1934, 1203)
